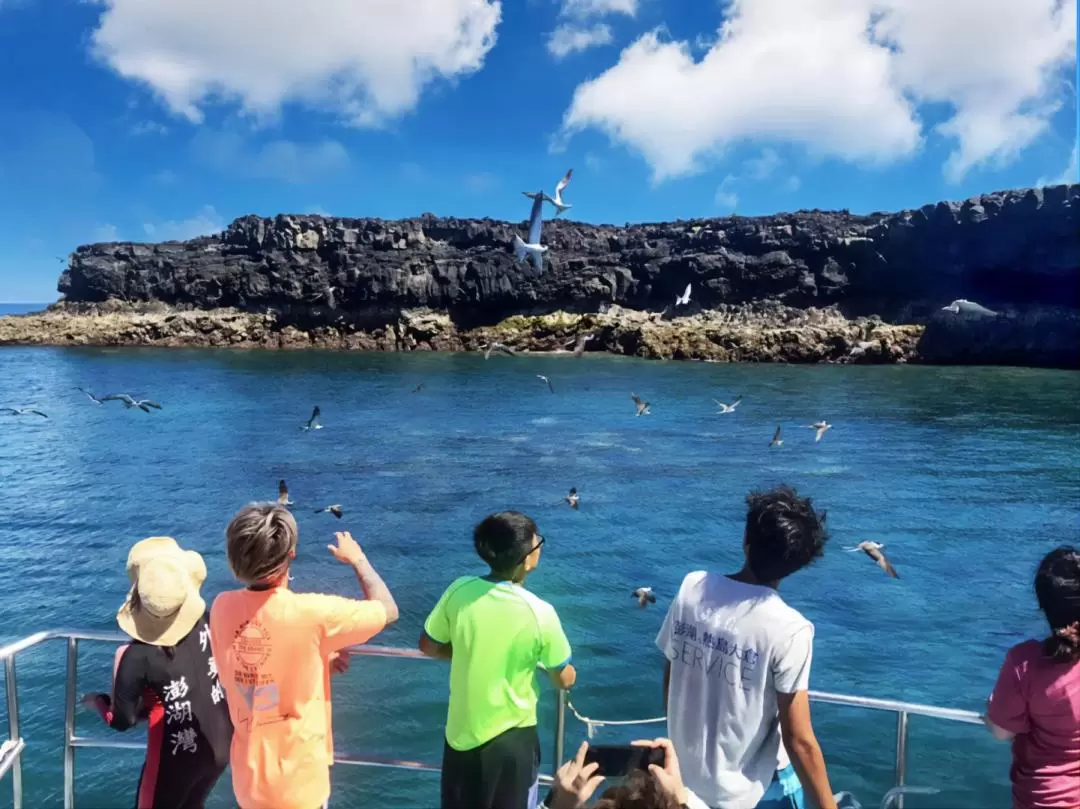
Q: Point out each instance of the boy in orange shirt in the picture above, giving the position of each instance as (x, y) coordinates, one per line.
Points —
(274, 650)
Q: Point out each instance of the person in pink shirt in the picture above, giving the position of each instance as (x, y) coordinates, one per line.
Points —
(1036, 702)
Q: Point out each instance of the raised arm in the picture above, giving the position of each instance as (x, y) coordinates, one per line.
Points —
(348, 551)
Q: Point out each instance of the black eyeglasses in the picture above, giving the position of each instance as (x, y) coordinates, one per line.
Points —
(533, 549)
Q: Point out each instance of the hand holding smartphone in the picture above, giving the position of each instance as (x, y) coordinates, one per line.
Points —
(619, 760)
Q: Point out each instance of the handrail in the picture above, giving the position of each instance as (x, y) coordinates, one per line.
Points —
(11, 758)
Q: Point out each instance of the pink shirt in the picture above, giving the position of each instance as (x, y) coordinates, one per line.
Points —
(1039, 701)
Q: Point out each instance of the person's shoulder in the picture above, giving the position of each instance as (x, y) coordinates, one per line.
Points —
(1026, 653)
(784, 619)
(222, 602)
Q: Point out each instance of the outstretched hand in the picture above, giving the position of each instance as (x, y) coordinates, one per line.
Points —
(347, 549)
(575, 781)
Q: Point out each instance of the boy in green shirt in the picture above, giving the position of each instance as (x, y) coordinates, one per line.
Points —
(495, 634)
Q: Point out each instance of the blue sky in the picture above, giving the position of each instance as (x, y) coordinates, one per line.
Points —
(153, 119)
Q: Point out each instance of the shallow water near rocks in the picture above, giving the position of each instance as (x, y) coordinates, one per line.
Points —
(969, 475)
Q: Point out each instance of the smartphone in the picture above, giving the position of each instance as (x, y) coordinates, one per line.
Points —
(618, 760)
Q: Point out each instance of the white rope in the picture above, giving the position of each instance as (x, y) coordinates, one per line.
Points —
(592, 724)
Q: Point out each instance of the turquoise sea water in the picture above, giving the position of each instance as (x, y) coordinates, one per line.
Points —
(969, 475)
(20, 308)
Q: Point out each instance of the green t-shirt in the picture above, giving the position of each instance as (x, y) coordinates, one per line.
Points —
(500, 633)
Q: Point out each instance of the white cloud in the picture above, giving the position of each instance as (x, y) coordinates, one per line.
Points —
(597, 8)
(725, 197)
(363, 60)
(840, 78)
(149, 128)
(281, 160)
(106, 233)
(763, 166)
(203, 223)
(568, 39)
(1069, 176)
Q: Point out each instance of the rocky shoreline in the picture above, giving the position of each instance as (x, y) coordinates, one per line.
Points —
(806, 287)
(759, 334)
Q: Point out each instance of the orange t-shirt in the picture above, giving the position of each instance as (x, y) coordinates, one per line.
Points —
(271, 648)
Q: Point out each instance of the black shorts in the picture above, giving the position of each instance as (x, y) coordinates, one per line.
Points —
(499, 774)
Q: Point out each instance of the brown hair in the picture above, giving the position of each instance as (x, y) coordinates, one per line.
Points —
(1057, 588)
(640, 791)
(258, 541)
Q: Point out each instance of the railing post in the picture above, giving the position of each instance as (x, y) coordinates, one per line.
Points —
(901, 753)
(12, 689)
(560, 728)
(71, 689)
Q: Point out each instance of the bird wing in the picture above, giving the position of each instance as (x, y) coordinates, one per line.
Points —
(336, 511)
(637, 401)
(148, 403)
(505, 350)
(565, 181)
(118, 397)
(314, 417)
(820, 432)
(283, 492)
(487, 351)
(550, 386)
(736, 402)
(536, 220)
(686, 293)
(776, 435)
(579, 344)
(882, 561)
(10, 410)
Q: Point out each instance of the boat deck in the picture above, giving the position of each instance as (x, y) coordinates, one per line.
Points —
(15, 746)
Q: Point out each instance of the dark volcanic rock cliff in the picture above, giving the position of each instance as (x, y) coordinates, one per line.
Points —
(1014, 248)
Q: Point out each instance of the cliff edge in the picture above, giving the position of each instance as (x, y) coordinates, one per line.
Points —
(441, 283)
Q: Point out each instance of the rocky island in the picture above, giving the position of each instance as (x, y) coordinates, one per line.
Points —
(812, 286)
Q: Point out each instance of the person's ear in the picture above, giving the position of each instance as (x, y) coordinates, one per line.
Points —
(292, 553)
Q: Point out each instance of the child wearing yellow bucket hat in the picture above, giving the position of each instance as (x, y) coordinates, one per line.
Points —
(168, 675)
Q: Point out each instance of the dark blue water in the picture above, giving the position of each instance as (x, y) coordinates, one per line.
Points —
(969, 475)
(20, 308)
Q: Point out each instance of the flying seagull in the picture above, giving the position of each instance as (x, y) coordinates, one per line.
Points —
(313, 422)
(644, 596)
(777, 441)
(821, 427)
(573, 499)
(684, 299)
(533, 248)
(143, 404)
(545, 379)
(283, 494)
(500, 348)
(22, 411)
(418, 388)
(560, 206)
(642, 407)
(90, 396)
(873, 550)
(579, 344)
(334, 509)
(725, 408)
(961, 306)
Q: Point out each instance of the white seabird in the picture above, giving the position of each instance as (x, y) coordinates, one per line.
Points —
(961, 306)
(684, 299)
(313, 422)
(533, 248)
(644, 596)
(727, 408)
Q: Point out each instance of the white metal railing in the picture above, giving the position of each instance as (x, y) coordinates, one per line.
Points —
(12, 749)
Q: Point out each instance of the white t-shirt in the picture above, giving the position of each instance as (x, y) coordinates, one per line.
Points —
(732, 648)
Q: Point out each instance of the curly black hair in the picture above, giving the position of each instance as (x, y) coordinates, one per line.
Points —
(783, 533)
